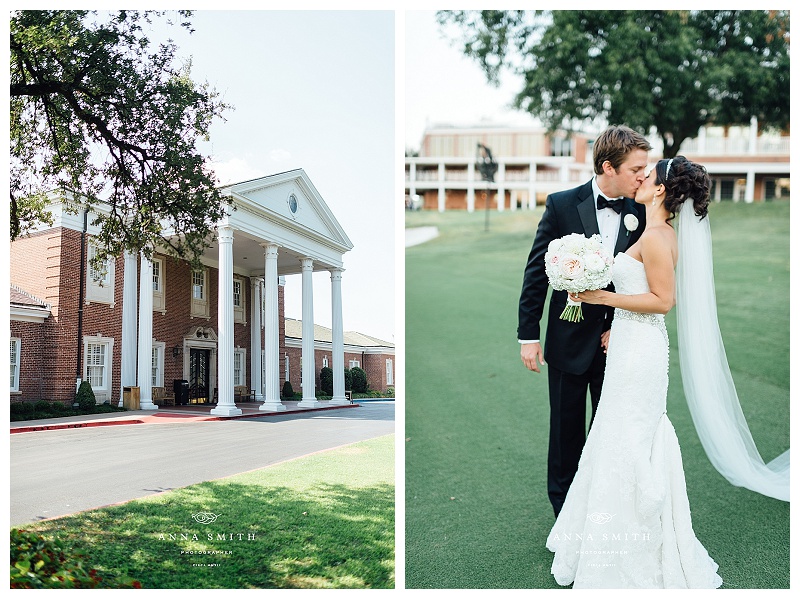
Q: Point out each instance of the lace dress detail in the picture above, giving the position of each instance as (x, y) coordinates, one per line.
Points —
(626, 522)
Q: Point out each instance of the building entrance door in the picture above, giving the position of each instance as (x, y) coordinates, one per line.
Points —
(198, 375)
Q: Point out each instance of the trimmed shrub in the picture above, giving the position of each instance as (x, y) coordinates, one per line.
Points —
(288, 392)
(85, 397)
(359, 380)
(58, 407)
(43, 406)
(22, 407)
(326, 380)
(37, 563)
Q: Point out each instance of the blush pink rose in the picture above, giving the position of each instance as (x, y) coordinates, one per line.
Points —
(571, 266)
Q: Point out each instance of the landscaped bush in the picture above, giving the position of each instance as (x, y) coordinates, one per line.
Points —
(58, 407)
(288, 392)
(38, 563)
(22, 407)
(326, 380)
(42, 406)
(85, 397)
(359, 379)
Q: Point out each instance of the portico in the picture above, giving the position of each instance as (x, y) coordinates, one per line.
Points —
(277, 226)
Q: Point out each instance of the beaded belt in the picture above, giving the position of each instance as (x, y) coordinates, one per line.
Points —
(656, 320)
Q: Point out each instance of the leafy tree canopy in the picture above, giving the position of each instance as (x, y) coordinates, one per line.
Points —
(101, 115)
(672, 70)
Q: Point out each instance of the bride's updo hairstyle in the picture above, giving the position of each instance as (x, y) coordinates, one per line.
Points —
(683, 180)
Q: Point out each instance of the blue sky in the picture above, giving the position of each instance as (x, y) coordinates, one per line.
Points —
(312, 90)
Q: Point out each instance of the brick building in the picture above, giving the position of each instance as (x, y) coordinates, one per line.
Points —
(145, 323)
(375, 356)
(746, 163)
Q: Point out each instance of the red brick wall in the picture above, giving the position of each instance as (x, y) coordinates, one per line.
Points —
(53, 275)
(32, 375)
(373, 364)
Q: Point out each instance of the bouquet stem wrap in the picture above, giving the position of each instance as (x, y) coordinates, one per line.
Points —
(572, 311)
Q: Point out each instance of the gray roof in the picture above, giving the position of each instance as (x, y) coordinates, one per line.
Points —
(20, 297)
(294, 329)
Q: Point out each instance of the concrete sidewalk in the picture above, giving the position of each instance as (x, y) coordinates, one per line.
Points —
(418, 235)
(164, 415)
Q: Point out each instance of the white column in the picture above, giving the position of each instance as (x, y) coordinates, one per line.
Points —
(532, 187)
(225, 405)
(750, 187)
(129, 308)
(337, 332)
(255, 338)
(145, 371)
(753, 149)
(272, 379)
(309, 372)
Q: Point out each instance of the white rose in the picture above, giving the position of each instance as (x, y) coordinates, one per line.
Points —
(574, 243)
(594, 263)
(631, 222)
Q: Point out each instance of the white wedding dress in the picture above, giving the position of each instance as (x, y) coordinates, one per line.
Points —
(626, 521)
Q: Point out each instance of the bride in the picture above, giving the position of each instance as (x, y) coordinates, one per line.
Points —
(626, 520)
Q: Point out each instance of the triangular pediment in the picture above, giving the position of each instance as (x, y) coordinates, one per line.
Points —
(291, 200)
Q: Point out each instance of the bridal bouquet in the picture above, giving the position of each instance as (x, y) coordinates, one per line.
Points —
(576, 263)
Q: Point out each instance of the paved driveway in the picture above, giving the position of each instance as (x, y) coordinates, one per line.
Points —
(59, 472)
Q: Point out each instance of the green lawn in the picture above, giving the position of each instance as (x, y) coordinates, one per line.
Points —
(477, 513)
(322, 521)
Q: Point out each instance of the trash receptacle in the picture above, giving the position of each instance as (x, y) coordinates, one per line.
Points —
(130, 398)
(181, 389)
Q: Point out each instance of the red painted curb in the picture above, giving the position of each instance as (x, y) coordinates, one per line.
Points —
(52, 427)
(198, 418)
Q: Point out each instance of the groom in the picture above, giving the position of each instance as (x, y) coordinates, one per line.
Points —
(575, 351)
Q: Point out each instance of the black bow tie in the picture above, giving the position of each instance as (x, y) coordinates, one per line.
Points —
(615, 205)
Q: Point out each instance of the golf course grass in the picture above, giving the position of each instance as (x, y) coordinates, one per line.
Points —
(477, 512)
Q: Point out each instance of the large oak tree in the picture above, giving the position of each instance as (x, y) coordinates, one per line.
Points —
(102, 115)
(672, 70)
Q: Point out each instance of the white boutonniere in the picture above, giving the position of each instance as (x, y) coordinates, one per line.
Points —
(631, 222)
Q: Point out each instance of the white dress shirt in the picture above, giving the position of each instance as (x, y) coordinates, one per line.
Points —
(607, 222)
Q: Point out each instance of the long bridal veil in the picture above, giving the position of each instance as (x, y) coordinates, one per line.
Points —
(707, 381)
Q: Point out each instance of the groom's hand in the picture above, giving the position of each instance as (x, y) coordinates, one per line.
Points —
(530, 354)
(604, 337)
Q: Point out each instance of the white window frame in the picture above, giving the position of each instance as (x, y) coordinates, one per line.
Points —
(15, 347)
(325, 361)
(285, 367)
(99, 286)
(241, 381)
(389, 371)
(159, 286)
(102, 393)
(157, 369)
(354, 363)
(199, 307)
(239, 311)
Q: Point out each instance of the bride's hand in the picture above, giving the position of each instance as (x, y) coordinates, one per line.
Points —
(588, 297)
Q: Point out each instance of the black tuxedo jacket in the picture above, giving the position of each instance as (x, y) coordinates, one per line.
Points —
(569, 346)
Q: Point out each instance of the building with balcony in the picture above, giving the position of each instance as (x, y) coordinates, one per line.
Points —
(745, 164)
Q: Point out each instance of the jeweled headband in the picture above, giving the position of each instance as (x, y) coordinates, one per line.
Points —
(669, 164)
